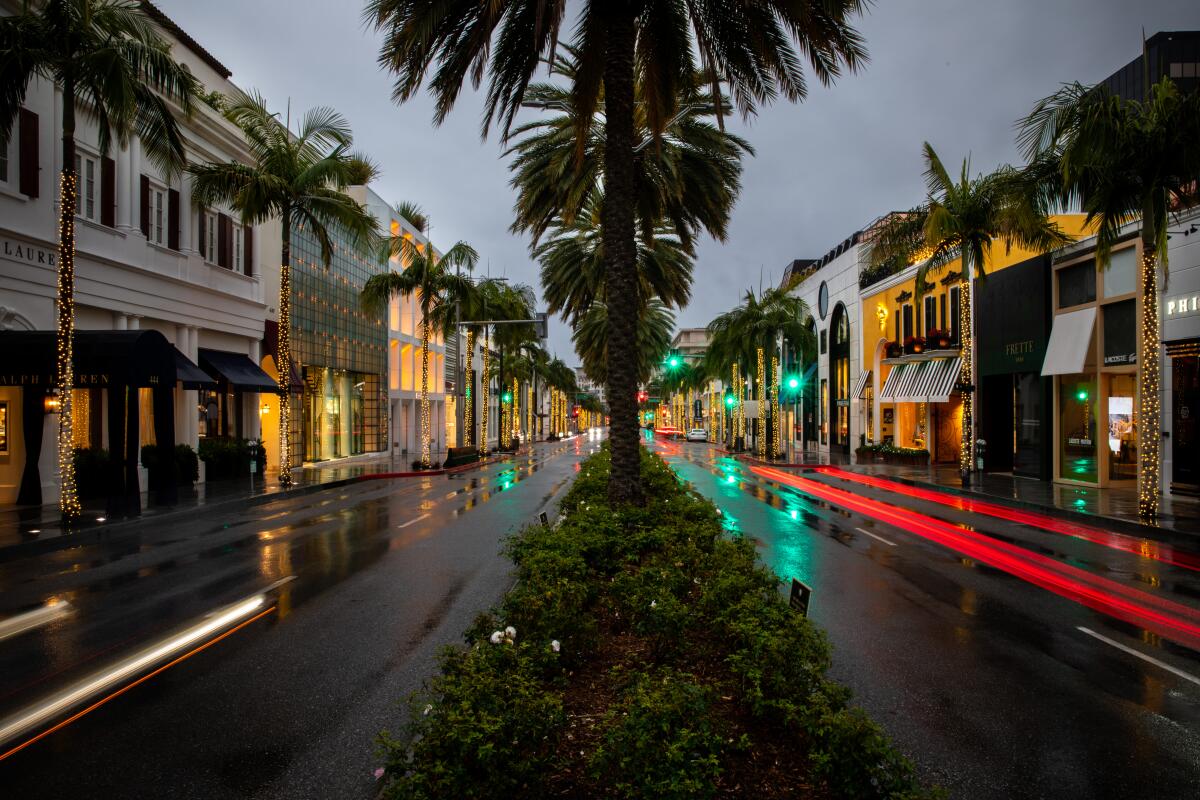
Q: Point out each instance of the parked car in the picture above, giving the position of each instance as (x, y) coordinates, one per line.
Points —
(697, 435)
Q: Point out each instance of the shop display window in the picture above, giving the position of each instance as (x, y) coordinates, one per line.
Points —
(1121, 275)
(1122, 427)
(1077, 428)
(1077, 284)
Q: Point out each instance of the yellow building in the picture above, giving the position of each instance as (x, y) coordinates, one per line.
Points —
(910, 356)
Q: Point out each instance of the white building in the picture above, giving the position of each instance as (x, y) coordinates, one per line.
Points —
(146, 260)
(827, 412)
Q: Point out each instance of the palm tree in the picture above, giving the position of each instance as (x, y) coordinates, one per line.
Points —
(108, 59)
(537, 359)
(1123, 160)
(745, 335)
(958, 222)
(298, 177)
(756, 49)
(438, 284)
(591, 340)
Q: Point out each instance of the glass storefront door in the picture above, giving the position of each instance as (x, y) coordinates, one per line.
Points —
(1185, 406)
(1077, 428)
(1122, 427)
(1027, 424)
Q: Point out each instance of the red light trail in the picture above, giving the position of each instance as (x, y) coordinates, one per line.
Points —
(1169, 619)
(1129, 544)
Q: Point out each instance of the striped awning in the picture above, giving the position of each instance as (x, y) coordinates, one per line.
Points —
(941, 380)
(909, 389)
(860, 386)
(893, 380)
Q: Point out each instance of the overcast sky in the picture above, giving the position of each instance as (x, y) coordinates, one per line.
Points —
(954, 72)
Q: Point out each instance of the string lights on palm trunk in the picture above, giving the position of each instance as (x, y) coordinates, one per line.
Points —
(776, 417)
(468, 427)
(426, 433)
(964, 377)
(760, 439)
(68, 501)
(1149, 423)
(485, 381)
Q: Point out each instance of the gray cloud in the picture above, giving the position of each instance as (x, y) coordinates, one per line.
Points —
(954, 72)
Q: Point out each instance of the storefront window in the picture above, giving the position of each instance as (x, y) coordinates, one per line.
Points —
(1077, 284)
(1120, 320)
(1121, 276)
(824, 412)
(1122, 428)
(1077, 428)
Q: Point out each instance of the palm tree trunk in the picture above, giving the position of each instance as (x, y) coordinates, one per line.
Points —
(485, 383)
(68, 502)
(468, 395)
(965, 375)
(1149, 424)
(426, 461)
(620, 266)
(283, 352)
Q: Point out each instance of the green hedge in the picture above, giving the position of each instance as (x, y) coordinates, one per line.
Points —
(187, 464)
(226, 457)
(91, 472)
(641, 654)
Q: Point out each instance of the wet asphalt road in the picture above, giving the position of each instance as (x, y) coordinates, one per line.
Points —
(984, 679)
(383, 574)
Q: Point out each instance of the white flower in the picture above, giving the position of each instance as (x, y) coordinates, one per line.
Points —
(654, 604)
(497, 637)
(428, 708)
(510, 632)
(555, 646)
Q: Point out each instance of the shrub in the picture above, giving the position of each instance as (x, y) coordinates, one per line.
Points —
(225, 457)
(661, 741)
(187, 466)
(92, 465)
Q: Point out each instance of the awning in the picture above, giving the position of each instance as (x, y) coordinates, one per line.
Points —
(191, 376)
(142, 358)
(860, 386)
(909, 390)
(1070, 339)
(938, 380)
(894, 378)
(237, 371)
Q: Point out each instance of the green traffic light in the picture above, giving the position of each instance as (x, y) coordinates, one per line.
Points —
(674, 362)
(1081, 395)
(507, 397)
(793, 382)
(729, 400)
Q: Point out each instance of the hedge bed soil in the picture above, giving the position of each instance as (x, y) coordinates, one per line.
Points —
(642, 654)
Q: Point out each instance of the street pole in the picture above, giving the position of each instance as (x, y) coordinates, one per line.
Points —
(459, 394)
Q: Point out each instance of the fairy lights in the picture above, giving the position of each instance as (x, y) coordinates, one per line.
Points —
(760, 440)
(529, 411)
(68, 498)
(485, 383)
(283, 365)
(1149, 371)
(468, 430)
(776, 418)
(964, 378)
(515, 414)
(426, 433)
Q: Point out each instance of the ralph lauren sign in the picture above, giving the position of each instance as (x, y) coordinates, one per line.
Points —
(20, 251)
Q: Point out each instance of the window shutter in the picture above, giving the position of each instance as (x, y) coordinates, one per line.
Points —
(173, 219)
(145, 206)
(108, 192)
(223, 230)
(248, 250)
(203, 234)
(28, 144)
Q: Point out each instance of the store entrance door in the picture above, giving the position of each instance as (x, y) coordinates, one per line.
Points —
(1185, 406)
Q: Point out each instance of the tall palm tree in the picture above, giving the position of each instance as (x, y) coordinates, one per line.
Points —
(958, 222)
(753, 330)
(537, 359)
(300, 178)
(438, 284)
(1124, 160)
(754, 48)
(107, 58)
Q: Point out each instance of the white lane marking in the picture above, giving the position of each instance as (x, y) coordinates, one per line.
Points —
(36, 618)
(412, 521)
(888, 542)
(1150, 659)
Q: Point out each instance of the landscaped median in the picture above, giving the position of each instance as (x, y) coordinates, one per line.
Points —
(642, 654)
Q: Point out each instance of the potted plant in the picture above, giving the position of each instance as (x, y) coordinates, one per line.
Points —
(894, 350)
(938, 339)
(914, 345)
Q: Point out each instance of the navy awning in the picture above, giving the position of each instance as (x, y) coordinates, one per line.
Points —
(237, 371)
(191, 376)
(141, 358)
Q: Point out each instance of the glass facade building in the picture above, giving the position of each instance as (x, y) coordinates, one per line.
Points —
(340, 352)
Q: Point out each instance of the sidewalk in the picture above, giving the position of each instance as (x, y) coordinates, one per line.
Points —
(1177, 514)
(28, 530)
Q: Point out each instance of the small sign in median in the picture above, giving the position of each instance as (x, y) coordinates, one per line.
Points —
(800, 597)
